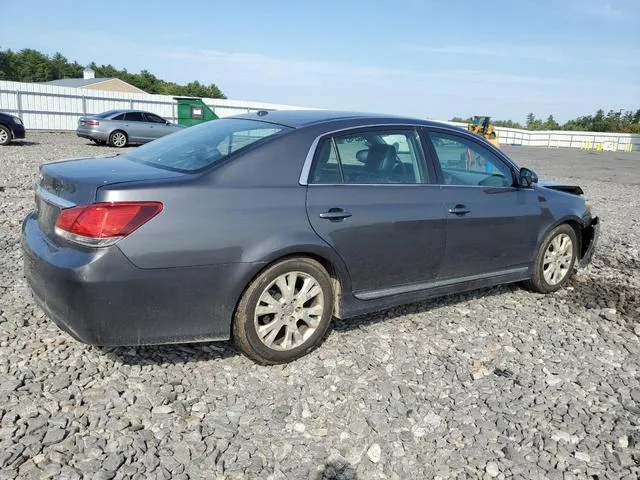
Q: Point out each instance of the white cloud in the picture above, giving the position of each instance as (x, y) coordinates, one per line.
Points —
(616, 10)
(565, 54)
(312, 73)
(350, 86)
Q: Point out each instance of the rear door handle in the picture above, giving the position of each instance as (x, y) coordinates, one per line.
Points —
(459, 210)
(335, 214)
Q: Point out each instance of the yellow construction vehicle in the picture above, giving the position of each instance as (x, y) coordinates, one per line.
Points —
(481, 125)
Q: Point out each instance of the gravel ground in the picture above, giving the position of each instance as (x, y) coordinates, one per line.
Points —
(498, 383)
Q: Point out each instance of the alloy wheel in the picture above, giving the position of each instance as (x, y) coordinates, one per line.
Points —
(289, 311)
(558, 258)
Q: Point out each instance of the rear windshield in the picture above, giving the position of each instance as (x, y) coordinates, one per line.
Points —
(201, 146)
(107, 114)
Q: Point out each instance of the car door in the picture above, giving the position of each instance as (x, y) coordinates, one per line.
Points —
(492, 225)
(136, 127)
(370, 196)
(157, 126)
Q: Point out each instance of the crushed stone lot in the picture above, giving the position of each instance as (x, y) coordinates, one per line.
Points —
(496, 383)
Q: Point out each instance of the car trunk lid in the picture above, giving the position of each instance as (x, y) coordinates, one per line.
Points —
(66, 183)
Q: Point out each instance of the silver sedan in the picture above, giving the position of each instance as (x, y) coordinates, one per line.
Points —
(120, 128)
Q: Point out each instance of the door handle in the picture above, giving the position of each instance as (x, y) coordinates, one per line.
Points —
(459, 210)
(335, 214)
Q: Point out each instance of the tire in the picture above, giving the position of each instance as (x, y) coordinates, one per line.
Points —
(98, 142)
(544, 279)
(5, 135)
(284, 311)
(118, 139)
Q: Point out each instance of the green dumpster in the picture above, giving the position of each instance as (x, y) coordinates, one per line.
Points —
(192, 111)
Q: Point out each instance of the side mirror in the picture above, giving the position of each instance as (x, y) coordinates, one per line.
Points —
(526, 178)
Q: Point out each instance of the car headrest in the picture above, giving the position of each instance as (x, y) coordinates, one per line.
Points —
(381, 158)
(362, 155)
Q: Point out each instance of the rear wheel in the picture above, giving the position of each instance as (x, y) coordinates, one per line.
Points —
(5, 135)
(555, 260)
(118, 139)
(285, 312)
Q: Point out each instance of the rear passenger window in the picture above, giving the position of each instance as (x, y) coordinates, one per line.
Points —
(370, 157)
(134, 117)
(327, 168)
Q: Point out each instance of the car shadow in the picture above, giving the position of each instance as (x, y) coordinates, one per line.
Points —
(336, 470)
(21, 143)
(584, 292)
(201, 352)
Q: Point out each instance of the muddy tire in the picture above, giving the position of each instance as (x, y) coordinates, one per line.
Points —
(555, 260)
(285, 312)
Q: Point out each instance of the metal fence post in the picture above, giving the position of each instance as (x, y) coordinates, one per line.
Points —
(19, 103)
(84, 105)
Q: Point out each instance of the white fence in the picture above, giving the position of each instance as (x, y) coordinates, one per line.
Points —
(50, 107)
(614, 142)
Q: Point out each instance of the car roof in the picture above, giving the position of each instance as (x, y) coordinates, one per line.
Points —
(117, 111)
(303, 118)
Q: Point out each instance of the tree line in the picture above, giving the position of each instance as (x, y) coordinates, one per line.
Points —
(617, 121)
(30, 65)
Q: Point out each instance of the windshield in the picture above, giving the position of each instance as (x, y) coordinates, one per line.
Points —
(204, 145)
(478, 120)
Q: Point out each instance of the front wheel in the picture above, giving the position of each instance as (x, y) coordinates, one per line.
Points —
(5, 135)
(555, 260)
(285, 312)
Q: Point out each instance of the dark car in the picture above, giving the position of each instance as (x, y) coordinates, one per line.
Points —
(120, 128)
(11, 127)
(266, 226)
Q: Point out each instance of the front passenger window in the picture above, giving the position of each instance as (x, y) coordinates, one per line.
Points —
(464, 162)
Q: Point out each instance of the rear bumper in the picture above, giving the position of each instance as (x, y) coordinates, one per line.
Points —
(92, 134)
(99, 297)
(590, 237)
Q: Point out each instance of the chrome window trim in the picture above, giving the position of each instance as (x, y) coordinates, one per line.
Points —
(308, 162)
(375, 185)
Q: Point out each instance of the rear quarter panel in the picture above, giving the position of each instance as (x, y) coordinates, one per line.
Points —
(249, 209)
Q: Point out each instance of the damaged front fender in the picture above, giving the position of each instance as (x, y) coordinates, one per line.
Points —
(589, 239)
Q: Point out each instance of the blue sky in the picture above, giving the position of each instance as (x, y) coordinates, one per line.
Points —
(432, 59)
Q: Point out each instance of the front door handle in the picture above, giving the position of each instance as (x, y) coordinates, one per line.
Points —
(335, 214)
(459, 210)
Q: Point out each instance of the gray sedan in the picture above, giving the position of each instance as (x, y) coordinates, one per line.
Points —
(120, 128)
(267, 226)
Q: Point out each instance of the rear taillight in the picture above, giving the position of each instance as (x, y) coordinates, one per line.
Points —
(92, 123)
(103, 224)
